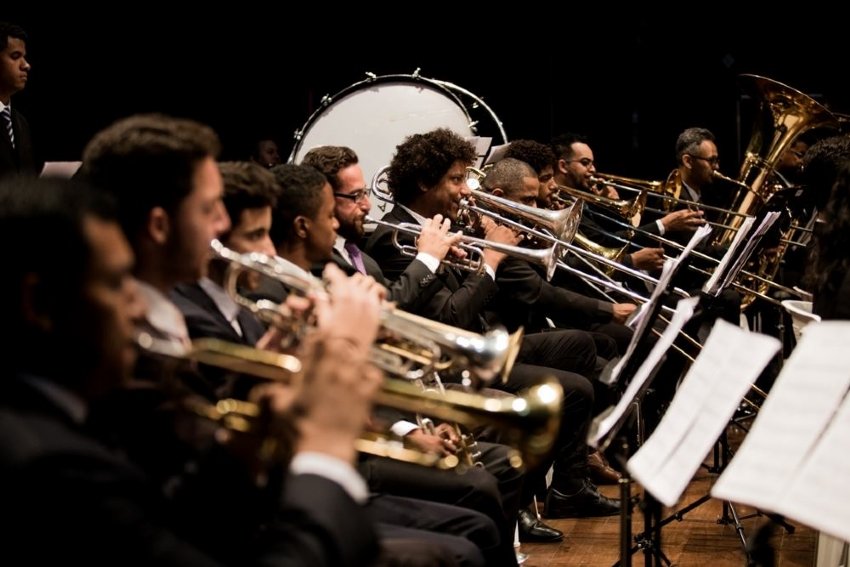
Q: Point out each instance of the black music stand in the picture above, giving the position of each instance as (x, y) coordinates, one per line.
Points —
(627, 434)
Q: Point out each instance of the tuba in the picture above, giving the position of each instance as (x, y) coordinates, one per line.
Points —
(784, 113)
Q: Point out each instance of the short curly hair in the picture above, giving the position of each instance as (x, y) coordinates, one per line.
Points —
(423, 159)
(330, 160)
(533, 153)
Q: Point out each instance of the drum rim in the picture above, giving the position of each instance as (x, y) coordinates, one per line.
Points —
(443, 87)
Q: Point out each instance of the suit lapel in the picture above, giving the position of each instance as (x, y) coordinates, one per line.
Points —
(196, 294)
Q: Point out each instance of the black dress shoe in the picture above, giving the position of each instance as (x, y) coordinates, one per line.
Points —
(586, 503)
(533, 530)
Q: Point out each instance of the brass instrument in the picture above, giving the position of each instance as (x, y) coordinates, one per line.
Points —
(528, 422)
(669, 191)
(229, 356)
(474, 247)
(784, 113)
(629, 209)
(420, 342)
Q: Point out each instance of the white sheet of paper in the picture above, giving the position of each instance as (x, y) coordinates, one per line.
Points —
(731, 253)
(63, 169)
(730, 360)
(482, 144)
(749, 248)
(667, 272)
(820, 495)
(496, 153)
(603, 423)
(801, 404)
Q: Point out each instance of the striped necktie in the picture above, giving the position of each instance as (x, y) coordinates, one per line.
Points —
(7, 119)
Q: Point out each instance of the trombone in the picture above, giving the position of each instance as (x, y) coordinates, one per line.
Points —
(697, 254)
(558, 232)
(484, 358)
(529, 422)
(625, 208)
(669, 191)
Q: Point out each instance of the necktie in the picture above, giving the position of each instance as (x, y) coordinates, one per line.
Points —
(355, 255)
(7, 119)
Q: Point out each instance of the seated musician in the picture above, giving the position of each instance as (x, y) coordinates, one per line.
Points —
(303, 230)
(427, 176)
(163, 174)
(71, 494)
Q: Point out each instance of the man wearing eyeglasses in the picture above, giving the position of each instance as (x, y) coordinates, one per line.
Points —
(352, 204)
(575, 167)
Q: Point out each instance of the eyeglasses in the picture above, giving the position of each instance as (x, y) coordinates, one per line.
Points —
(714, 160)
(357, 196)
(585, 162)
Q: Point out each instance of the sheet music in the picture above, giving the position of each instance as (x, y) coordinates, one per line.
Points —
(790, 424)
(754, 240)
(63, 169)
(820, 495)
(482, 144)
(729, 362)
(712, 283)
(497, 153)
(604, 423)
(639, 322)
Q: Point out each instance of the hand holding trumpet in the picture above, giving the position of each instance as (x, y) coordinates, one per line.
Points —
(436, 240)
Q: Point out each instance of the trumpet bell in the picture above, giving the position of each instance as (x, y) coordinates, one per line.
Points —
(528, 422)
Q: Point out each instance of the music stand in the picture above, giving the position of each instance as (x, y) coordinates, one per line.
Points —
(635, 366)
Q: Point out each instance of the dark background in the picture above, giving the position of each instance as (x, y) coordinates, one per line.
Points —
(624, 77)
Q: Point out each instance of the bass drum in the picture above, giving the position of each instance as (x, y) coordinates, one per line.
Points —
(375, 115)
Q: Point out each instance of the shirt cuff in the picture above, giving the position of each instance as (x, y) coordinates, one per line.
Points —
(430, 262)
(333, 469)
(490, 272)
(660, 227)
(402, 428)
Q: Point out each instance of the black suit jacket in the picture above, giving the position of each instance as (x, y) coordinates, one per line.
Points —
(204, 319)
(526, 299)
(413, 289)
(462, 299)
(20, 159)
(68, 498)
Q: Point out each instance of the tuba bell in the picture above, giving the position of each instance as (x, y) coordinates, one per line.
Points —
(784, 113)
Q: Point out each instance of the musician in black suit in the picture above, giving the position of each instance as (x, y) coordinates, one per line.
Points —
(575, 167)
(417, 283)
(68, 346)
(162, 172)
(16, 151)
(428, 176)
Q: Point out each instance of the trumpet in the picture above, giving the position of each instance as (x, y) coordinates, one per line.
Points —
(474, 247)
(528, 422)
(484, 358)
(226, 355)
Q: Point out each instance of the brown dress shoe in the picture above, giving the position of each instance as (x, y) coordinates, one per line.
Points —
(601, 472)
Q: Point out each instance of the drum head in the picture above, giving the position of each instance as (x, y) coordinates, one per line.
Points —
(374, 116)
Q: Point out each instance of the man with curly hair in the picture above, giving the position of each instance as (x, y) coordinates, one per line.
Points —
(427, 176)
